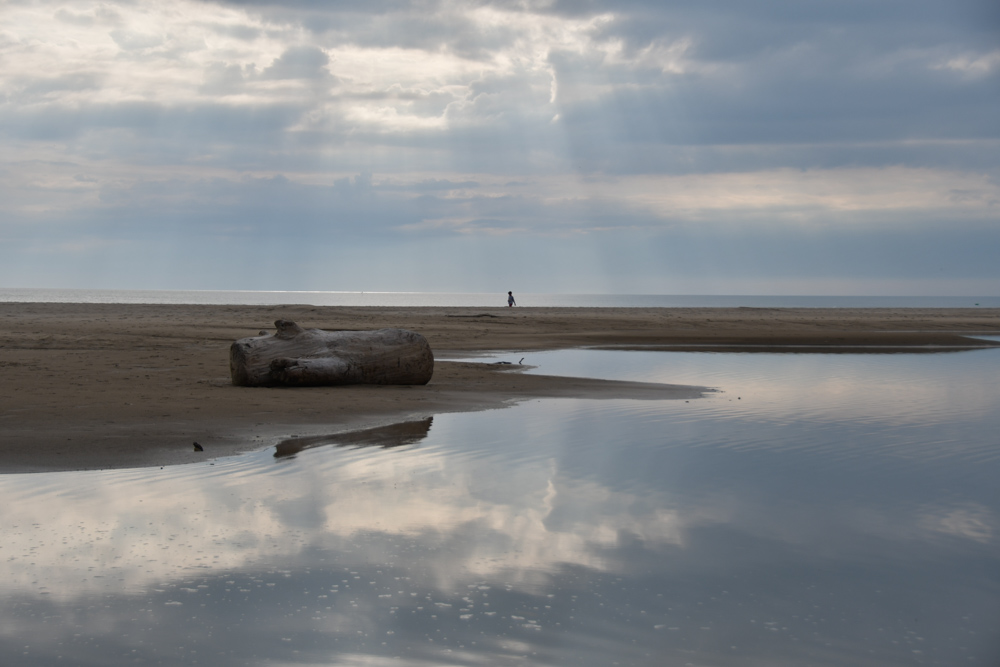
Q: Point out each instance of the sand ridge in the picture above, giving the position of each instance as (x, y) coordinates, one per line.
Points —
(122, 385)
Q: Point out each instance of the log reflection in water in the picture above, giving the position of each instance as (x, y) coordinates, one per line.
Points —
(393, 435)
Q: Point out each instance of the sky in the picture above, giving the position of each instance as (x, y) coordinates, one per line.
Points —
(581, 146)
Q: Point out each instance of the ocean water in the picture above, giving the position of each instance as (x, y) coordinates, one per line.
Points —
(482, 300)
(816, 509)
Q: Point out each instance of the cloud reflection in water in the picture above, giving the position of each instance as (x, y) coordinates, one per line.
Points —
(554, 532)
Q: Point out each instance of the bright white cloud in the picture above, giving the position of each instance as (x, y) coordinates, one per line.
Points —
(976, 65)
(789, 194)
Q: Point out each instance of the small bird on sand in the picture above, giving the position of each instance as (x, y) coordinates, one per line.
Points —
(198, 448)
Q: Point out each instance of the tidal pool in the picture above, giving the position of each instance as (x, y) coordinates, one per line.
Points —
(820, 509)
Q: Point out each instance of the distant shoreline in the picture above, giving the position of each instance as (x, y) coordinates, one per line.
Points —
(126, 385)
(479, 299)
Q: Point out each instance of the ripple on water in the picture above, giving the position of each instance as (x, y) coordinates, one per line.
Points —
(557, 531)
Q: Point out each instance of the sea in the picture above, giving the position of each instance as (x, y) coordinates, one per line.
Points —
(482, 300)
(811, 508)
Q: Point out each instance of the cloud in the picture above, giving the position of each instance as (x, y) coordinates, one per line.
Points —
(34, 90)
(974, 65)
(136, 41)
(102, 14)
(555, 520)
(626, 116)
(299, 62)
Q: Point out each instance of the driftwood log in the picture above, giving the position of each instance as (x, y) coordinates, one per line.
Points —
(294, 356)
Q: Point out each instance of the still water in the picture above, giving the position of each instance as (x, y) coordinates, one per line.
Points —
(481, 300)
(819, 509)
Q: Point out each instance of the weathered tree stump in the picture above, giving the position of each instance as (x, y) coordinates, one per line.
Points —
(312, 357)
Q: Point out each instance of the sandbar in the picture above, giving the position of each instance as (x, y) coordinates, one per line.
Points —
(96, 386)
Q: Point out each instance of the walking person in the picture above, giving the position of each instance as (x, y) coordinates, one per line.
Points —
(510, 299)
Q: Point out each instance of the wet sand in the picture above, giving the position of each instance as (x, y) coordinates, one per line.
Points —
(88, 386)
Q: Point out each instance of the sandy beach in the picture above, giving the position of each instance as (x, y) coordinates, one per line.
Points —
(89, 386)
